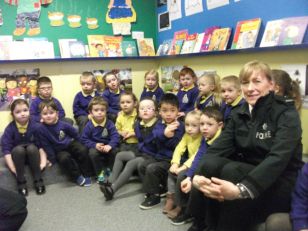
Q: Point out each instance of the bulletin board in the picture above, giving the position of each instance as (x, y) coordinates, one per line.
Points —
(145, 10)
(228, 15)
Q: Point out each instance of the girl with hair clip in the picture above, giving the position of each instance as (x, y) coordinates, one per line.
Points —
(286, 87)
(209, 91)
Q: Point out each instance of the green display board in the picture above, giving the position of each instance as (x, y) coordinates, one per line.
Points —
(145, 10)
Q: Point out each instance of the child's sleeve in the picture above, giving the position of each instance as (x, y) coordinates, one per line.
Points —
(201, 151)
(7, 141)
(299, 205)
(114, 135)
(60, 108)
(86, 136)
(71, 131)
(34, 111)
(77, 109)
(179, 150)
(46, 144)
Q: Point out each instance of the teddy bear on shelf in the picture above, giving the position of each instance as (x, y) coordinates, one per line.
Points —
(28, 11)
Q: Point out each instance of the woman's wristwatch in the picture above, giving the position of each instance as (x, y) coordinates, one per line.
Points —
(244, 193)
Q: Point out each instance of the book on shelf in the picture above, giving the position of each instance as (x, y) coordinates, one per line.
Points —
(129, 48)
(146, 47)
(31, 50)
(198, 43)
(105, 46)
(207, 38)
(77, 49)
(285, 31)
(189, 44)
(164, 48)
(219, 39)
(178, 39)
(64, 47)
(246, 33)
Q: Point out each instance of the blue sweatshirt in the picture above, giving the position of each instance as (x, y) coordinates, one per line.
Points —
(202, 103)
(113, 100)
(56, 137)
(146, 141)
(227, 108)
(106, 134)
(299, 205)
(164, 144)
(187, 99)
(35, 110)
(11, 136)
(155, 95)
(201, 151)
(81, 102)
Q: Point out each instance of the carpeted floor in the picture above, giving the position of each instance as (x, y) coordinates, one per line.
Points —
(66, 207)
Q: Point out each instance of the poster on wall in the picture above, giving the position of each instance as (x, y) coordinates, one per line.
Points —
(170, 78)
(212, 4)
(164, 21)
(193, 7)
(174, 8)
(15, 84)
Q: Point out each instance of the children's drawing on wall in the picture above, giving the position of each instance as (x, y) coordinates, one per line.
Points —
(193, 7)
(212, 4)
(174, 8)
(161, 2)
(124, 76)
(170, 78)
(121, 14)
(92, 23)
(28, 14)
(17, 84)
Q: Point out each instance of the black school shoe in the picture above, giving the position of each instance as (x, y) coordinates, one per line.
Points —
(150, 201)
(39, 187)
(23, 191)
(182, 218)
(107, 191)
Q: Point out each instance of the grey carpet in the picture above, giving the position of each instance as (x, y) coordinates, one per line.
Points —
(66, 207)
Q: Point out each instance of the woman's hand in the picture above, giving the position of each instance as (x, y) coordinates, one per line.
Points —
(216, 188)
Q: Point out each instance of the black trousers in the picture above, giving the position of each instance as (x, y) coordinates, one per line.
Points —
(238, 215)
(13, 210)
(101, 161)
(81, 121)
(75, 160)
(23, 154)
(154, 174)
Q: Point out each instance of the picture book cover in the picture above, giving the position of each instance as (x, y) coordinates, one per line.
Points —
(189, 44)
(285, 31)
(198, 43)
(64, 47)
(178, 39)
(219, 39)
(77, 49)
(207, 38)
(293, 30)
(105, 46)
(246, 33)
(146, 47)
(164, 48)
(129, 48)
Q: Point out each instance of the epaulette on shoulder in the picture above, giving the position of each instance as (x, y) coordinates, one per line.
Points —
(284, 100)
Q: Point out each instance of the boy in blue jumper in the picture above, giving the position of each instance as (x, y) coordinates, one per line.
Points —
(44, 90)
(101, 137)
(167, 133)
(83, 98)
(60, 140)
(231, 94)
(211, 123)
(189, 92)
(112, 95)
